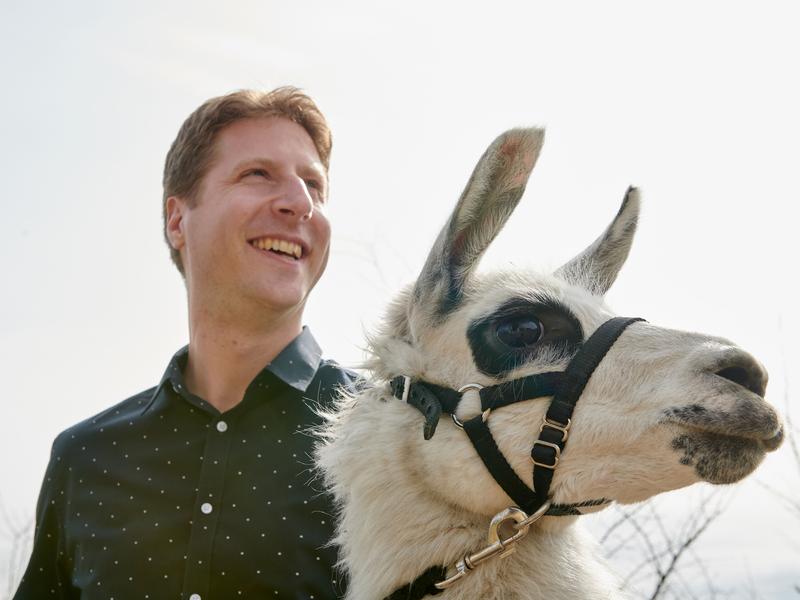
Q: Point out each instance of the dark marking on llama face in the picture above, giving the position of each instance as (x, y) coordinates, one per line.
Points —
(466, 246)
(561, 335)
(719, 458)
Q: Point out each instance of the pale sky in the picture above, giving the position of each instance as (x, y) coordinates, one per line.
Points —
(695, 103)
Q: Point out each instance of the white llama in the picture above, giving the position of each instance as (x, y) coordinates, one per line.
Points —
(660, 410)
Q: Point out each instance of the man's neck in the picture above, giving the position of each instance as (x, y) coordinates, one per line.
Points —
(224, 358)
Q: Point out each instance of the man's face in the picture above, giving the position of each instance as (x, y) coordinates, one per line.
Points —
(257, 232)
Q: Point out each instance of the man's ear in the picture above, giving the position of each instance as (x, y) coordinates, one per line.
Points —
(175, 209)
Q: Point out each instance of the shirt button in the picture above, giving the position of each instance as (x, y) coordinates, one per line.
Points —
(206, 508)
(194, 597)
(222, 426)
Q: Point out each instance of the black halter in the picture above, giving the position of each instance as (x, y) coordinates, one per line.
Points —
(565, 387)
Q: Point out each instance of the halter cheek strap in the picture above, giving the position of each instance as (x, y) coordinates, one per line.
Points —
(565, 387)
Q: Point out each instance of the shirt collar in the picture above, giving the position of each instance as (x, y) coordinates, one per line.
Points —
(298, 362)
(296, 365)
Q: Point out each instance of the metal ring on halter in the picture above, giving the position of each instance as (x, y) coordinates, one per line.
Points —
(538, 514)
(470, 386)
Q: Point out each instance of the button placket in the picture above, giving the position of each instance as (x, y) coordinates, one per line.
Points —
(207, 511)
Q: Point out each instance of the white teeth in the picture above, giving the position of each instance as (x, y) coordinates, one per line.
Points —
(283, 246)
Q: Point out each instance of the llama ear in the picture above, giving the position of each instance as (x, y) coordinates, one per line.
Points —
(492, 193)
(596, 268)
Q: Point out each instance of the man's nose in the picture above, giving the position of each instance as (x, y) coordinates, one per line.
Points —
(295, 200)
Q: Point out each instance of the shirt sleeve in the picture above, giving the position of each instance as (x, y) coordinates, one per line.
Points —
(44, 578)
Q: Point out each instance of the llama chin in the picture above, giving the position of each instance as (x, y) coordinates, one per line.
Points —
(661, 410)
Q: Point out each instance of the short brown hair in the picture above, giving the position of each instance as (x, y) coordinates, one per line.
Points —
(192, 152)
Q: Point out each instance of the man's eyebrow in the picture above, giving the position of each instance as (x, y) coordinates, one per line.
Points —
(315, 169)
(254, 162)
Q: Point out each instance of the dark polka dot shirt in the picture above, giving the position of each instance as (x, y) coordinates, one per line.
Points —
(163, 496)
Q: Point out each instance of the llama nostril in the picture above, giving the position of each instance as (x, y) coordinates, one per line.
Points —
(750, 377)
(774, 442)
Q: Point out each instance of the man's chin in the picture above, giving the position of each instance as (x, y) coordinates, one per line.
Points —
(279, 299)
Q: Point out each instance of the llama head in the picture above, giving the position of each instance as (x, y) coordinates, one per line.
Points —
(664, 409)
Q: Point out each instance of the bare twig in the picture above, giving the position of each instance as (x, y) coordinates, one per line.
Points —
(684, 545)
(626, 516)
(657, 547)
(18, 531)
(792, 504)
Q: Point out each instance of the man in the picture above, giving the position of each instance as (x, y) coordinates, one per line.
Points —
(201, 488)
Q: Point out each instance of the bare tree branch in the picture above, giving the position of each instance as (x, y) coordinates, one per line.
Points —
(654, 548)
(625, 517)
(18, 531)
(684, 545)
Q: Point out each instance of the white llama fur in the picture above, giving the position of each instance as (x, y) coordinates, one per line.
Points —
(408, 504)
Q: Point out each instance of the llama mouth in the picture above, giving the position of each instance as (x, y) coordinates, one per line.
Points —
(724, 446)
(755, 422)
(717, 458)
(278, 246)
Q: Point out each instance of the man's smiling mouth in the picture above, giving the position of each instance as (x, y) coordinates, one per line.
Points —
(278, 246)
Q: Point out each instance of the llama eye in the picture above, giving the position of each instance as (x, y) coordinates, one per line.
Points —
(519, 331)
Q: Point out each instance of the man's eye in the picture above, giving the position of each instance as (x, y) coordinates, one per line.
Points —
(316, 189)
(257, 173)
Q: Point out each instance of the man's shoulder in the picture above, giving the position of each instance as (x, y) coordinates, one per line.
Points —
(118, 415)
(333, 381)
(335, 374)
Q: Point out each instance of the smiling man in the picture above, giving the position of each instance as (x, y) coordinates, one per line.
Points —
(201, 487)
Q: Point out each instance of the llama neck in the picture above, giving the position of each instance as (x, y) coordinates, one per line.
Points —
(392, 527)
(552, 565)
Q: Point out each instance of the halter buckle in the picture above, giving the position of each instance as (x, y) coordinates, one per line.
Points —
(552, 424)
(556, 457)
(406, 387)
